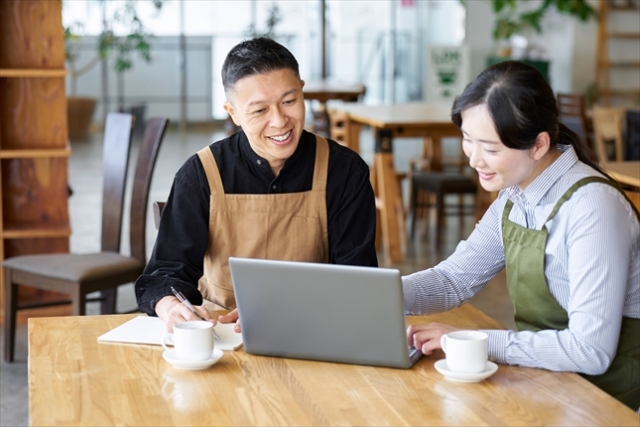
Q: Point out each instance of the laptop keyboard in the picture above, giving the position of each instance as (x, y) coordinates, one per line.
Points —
(414, 355)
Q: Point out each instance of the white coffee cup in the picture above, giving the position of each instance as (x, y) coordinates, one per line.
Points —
(466, 351)
(191, 340)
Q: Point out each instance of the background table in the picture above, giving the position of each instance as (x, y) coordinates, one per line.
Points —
(624, 172)
(327, 90)
(394, 121)
(74, 380)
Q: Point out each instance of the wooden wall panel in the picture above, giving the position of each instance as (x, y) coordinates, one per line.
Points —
(33, 113)
(31, 34)
(35, 193)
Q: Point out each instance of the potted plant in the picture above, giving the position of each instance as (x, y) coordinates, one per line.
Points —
(110, 45)
(512, 21)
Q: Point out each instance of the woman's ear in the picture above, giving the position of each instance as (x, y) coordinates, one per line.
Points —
(541, 146)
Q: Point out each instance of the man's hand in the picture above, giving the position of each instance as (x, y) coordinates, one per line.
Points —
(427, 337)
(230, 318)
(172, 311)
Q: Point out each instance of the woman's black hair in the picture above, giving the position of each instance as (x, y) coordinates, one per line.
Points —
(522, 105)
(256, 56)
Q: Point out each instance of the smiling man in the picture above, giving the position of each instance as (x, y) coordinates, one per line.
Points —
(272, 190)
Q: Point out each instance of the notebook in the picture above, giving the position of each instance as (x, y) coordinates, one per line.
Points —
(149, 330)
(322, 312)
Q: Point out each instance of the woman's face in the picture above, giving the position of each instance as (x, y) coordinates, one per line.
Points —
(498, 166)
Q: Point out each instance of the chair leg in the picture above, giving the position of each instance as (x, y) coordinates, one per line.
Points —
(10, 314)
(108, 303)
(413, 209)
(78, 303)
(439, 217)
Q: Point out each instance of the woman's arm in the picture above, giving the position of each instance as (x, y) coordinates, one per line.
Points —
(458, 278)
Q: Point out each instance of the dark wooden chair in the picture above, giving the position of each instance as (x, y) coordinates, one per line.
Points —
(608, 130)
(80, 274)
(572, 113)
(429, 188)
(157, 212)
(632, 135)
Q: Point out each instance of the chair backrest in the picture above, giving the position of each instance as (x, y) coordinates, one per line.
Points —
(339, 127)
(153, 135)
(634, 196)
(608, 123)
(571, 112)
(632, 135)
(117, 141)
(157, 213)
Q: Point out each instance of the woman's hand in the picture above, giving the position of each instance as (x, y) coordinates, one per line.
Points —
(427, 337)
(230, 318)
(172, 311)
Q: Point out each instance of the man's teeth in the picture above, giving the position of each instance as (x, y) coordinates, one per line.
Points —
(281, 137)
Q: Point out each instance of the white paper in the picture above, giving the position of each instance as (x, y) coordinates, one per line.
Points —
(149, 330)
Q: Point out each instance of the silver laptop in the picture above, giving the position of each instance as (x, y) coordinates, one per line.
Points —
(323, 312)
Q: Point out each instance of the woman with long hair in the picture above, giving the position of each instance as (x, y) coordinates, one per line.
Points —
(566, 234)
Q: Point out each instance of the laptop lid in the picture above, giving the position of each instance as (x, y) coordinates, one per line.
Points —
(323, 312)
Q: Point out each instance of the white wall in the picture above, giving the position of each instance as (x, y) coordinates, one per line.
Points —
(570, 45)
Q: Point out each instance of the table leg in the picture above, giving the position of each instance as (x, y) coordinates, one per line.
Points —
(388, 193)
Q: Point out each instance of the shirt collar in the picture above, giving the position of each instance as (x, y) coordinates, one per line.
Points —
(543, 182)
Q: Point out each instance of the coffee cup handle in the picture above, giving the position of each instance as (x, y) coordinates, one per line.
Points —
(164, 340)
(443, 343)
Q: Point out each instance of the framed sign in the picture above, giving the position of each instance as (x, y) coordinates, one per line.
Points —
(447, 72)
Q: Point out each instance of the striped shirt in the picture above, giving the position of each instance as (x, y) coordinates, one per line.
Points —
(592, 268)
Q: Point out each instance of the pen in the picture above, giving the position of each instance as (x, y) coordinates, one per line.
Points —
(186, 302)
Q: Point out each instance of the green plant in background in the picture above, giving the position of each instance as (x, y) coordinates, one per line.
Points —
(510, 21)
(274, 17)
(122, 48)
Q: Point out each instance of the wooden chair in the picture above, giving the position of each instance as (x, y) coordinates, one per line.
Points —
(80, 274)
(632, 135)
(571, 112)
(429, 189)
(157, 213)
(634, 196)
(608, 124)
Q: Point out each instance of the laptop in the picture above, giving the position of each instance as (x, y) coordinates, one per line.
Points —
(325, 312)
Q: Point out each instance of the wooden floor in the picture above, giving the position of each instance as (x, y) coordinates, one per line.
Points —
(85, 179)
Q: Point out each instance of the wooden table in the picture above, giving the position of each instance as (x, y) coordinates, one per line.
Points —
(74, 380)
(389, 122)
(324, 90)
(624, 172)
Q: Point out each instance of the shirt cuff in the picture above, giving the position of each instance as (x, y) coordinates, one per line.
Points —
(497, 344)
(408, 294)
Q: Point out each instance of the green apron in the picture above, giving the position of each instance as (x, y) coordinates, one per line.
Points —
(537, 309)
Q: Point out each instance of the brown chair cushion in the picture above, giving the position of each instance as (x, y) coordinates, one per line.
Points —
(75, 267)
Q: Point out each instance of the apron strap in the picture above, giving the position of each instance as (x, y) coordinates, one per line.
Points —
(585, 181)
(321, 165)
(211, 170)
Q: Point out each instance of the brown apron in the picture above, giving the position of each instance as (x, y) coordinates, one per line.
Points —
(290, 226)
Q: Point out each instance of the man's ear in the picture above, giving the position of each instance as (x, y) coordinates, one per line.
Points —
(541, 146)
(229, 109)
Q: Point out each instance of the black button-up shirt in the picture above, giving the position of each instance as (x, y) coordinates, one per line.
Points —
(178, 256)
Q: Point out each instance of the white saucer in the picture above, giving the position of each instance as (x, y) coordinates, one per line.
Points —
(192, 365)
(464, 377)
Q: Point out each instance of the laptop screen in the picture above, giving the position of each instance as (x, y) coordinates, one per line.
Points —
(324, 312)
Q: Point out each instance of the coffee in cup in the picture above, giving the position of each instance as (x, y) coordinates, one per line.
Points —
(466, 351)
(192, 340)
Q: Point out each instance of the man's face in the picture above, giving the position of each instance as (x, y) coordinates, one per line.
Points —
(270, 109)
